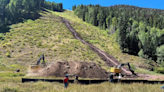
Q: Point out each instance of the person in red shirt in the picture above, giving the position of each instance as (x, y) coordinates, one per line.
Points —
(66, 81)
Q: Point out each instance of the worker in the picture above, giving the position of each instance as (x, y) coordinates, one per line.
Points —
(111, 77)
(119, 77)
(76, 79)
(66, 81)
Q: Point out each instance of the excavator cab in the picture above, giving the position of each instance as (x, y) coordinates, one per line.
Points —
(118, 69)
(37, 67)
(115, 70)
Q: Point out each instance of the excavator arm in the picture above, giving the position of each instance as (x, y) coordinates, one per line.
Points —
(37, 67)
(41, 57)
(119, 67)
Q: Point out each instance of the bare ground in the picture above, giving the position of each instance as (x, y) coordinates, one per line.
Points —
(81, 69)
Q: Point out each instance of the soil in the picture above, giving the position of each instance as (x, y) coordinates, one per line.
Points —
(81, 69)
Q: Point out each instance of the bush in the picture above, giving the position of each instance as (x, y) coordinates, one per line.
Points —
(8, 54)
(141, 54)
(2, 37)
(159, 70)
(39, 44)
(30, 52)
(93, 41)
(160, 54)
(6, 45)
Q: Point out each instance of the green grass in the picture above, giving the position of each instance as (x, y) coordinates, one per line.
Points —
(58, 87)
(144, 71)
(11, 74)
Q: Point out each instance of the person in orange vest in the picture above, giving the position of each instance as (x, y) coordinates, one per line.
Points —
(66, 81)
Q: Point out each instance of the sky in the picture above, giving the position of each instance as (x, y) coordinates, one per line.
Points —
(156, 4)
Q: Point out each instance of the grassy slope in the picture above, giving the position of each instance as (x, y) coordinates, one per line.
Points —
(27, 41)
(103, 41)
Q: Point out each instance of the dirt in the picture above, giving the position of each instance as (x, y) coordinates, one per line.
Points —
(81, 69)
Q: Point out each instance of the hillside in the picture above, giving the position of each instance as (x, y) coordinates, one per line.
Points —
(48, 34)
(27, 41)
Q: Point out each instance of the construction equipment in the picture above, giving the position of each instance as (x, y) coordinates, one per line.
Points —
(37, 67)
(118, 69)
(117, 72)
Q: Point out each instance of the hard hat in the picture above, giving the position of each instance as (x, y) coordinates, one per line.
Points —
(67, 75)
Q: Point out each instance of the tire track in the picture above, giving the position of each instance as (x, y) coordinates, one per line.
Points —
(109, 60)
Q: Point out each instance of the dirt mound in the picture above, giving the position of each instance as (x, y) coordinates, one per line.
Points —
(81, 69)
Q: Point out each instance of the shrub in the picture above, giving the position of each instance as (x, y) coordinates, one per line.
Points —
(28, 21)
(2, 37)
(160, 54)
(23, 43)
(39, 44)
(19, 50)
(19, 40)
(93, 41)
(159, 70)
(30, 52)
(55, 50)
(141, 54)
(8, 54)
(6, 44)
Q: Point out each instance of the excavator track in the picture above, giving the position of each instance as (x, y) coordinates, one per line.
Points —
(108, 59)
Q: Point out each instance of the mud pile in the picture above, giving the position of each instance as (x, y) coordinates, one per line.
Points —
(81, 69)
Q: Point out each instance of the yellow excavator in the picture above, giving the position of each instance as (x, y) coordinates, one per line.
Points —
(117, 72)
(118, 69)
(37, 67)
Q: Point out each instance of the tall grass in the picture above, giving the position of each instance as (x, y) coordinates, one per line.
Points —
(58, 87)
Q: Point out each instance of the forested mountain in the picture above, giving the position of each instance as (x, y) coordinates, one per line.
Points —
(14, 11)
(140, 31)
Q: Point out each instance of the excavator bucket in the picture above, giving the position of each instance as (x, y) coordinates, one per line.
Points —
(34, 68)
(115, 70)
(37, 67)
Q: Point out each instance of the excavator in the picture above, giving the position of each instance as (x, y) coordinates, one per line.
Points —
(118, 72)
(37, 67)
